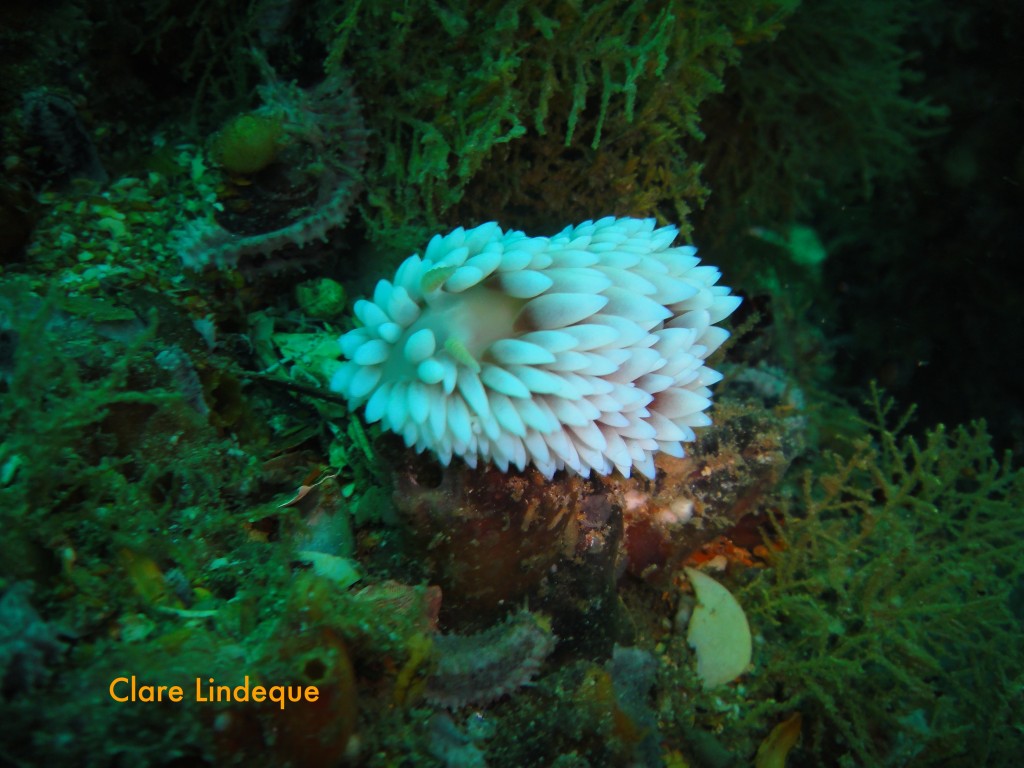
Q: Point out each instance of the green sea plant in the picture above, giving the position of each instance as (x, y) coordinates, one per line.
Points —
(827, 110)
(103, 447)
(890, 614)
(547, 109)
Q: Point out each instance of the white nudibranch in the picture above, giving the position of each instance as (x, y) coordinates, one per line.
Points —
(582, 351)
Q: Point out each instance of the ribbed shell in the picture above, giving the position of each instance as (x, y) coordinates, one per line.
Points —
(582, 351)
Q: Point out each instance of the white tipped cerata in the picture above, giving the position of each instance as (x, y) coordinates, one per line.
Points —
(582, 351)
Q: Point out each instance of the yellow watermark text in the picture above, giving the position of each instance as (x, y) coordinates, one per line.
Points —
(207, 690)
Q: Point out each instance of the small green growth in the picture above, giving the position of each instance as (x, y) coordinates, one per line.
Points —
(321, 298)
(434, 278)
(248, 143)
(458, 350)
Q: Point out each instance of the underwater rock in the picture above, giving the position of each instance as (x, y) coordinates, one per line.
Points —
(29, 647)
(634, 673)
(315, 734)
(16, 225)
(490, 536)
(451, 746)
(733, 465)
(67, 150)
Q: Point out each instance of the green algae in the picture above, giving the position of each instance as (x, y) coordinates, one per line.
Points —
(886, 614)
(506, 84)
